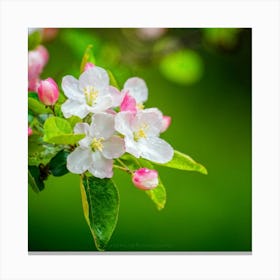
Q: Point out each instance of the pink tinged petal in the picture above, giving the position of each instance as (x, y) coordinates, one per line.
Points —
(74, 108)
(88, 66)
(129, 104)
(166, 121)
(111, 111)
(145, 179)
(70, 86)
(101, 167)
(113, 147)
(48, 91)
(79, 160)
(83, 128)
(96, 77)
(137, 88)
(30, 131)
(155, 149)
(124, 122)
(102, 125)
(116, 96)
(150, 121)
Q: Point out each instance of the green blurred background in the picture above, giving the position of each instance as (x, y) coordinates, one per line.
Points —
(200, 77)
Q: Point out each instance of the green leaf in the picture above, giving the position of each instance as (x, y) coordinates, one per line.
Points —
(59, 131)
(100, 200)
(184, 162)
(37, 107)
(158, 195)
(113, 81)
(87, 57)
(34, 180)
(34, 39)
(74, 120)
(40, 152)
(57, 164)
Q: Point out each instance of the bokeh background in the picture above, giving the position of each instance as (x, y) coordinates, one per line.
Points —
(200, 77)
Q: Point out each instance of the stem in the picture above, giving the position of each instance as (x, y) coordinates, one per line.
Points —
(122, 168)
(52, 108)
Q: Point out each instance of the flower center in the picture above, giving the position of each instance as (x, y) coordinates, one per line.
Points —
(90, 94)
(140, 133)
(140, 106)
(97, 144)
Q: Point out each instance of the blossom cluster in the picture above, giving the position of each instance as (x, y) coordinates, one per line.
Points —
(118, 124)
(114, 121)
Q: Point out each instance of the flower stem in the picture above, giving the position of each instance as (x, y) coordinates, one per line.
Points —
(122, 168)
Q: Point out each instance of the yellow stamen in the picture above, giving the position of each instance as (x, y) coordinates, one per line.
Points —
(141, 133)
(90, 94)
(140, 106)
(97, 144)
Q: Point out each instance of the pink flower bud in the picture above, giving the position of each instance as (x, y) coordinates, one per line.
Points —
(37, 59)
(166, 121)
(128, 104)
(88, 66)
(145, 179)
(48, 91)
(30, 131)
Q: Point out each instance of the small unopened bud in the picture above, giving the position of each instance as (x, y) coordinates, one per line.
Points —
(166, 121)
(88, 65)
(145, 179)
(30, 131)
(48, 91)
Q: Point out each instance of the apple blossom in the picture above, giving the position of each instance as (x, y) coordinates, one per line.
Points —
(98, 148)
(141, 131)
(90, 94)
(48, 91)
(37, 59)
(145, 179)
(137, 88)
(136, 93)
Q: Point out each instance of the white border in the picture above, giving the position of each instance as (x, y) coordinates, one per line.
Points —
(262, 16)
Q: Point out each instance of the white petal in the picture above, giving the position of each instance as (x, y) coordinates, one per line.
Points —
(132, 147)
(155, 149)
(103, 125)
(73, 108)
(83, 128)
(79, 160)
(116, 95)
(101, 167)
(96, 77)
(151, 120)
(137, 88)
(102, 104)
(124, 122)
(113, 147)
(70, 86)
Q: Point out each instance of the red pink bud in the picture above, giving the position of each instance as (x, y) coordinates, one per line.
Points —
(145, 179)
(48, 91)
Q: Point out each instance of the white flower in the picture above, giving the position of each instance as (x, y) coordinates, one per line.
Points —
(141, 131)
(91, 93)
(136, 88)
(135, 94)
(98, 148)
